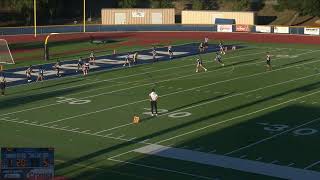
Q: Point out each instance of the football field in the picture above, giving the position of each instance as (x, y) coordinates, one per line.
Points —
(238, 121)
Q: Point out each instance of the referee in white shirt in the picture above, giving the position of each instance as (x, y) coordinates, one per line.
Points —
(153, 101)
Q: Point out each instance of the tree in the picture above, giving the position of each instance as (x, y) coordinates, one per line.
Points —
(197, 5)
(204, 4)
(127, 3)
(304, 7)
(162, 4)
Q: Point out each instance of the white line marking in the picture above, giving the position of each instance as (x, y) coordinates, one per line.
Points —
(121, 136)
(74, 129)
(312, 165)
(161, 169)
(169, 94)
(243, 156)
(275, 161)
(291, 164)
(85, 84)
(213, 151)
(259, 158)
(85, 131)
(100, 131)
(244, 115)
(276, 135)
(243, 165)
(131, 139)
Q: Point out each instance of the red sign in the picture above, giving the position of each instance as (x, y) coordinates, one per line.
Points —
(242, 28)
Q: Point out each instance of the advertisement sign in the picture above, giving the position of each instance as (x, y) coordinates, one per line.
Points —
(224, 28)
(263, 29)
(138, 14)
(281, 30)
(312, 31)
(243, 28)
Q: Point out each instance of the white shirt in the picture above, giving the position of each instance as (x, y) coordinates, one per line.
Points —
(153, 96)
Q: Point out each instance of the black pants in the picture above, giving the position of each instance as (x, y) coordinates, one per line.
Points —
(154, 107)
(2, 87)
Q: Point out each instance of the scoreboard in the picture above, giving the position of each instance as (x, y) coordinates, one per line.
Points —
(27, 163)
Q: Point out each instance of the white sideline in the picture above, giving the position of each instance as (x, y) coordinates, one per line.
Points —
(39, 107)
(143, 142)
(239, 164)
(162, 169)
(176, 92)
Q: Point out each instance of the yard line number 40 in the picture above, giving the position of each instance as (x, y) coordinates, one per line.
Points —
(171, 115)
(284, 127)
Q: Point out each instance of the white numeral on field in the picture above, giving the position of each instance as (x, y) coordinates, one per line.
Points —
(72, 101)
(283, 127)
(305, 132)
(276, 127)
(171, 115)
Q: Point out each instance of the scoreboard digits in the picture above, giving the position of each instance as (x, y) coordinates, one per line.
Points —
(27, 163)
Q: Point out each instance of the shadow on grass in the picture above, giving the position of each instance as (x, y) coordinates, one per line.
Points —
(22, 99)
(209, 117)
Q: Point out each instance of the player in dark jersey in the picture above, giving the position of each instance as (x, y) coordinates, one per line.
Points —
(201, 47)
(206, 43)
(29, 73)
(268, 61)
(170, 52)
(80, 64)
(221, 47)
(218, 59)
(200, 65)
(3, 84)
(40, 74)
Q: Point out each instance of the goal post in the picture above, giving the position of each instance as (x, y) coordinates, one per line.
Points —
(5, 53)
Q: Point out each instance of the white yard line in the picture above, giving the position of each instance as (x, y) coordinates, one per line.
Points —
(146, 84)
(161, 169)
(216, 100)
(244, 115)
(312, 165)
(243, 165)
(176, 92)
(276, 135)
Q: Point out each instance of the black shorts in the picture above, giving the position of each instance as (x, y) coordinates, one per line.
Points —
(170, 51)
(268, 62)
(205, 44)
(2, 85)
(199, 63)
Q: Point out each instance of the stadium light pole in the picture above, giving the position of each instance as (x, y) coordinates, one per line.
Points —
(84, 15)
(35, 17)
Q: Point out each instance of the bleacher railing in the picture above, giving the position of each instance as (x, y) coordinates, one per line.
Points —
(177, 27)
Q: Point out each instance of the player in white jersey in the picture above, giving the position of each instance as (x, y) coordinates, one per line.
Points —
(268, 62)
(92, 58)
(200, 65)
(127, 60)
(154, 54)
(170, 52)
(85, 68)
(153, 96)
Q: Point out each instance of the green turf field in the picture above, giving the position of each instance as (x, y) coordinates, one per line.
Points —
(241, 113)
